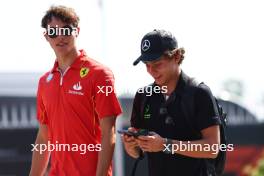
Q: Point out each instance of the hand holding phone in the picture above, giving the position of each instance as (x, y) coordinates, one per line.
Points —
(140, 132)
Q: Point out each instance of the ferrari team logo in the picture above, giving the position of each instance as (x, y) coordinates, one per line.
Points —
(84, 71)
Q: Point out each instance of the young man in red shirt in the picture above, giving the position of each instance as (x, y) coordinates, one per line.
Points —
(76, 106)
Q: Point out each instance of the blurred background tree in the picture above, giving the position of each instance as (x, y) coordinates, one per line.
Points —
(233, 90)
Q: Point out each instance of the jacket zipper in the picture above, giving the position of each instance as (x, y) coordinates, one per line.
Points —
(62, 75)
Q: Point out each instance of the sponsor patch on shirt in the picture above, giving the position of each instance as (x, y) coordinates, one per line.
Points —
(49, 77)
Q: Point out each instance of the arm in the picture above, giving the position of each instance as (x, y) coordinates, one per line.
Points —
(107, 125)
(40, 161)
(210, 136)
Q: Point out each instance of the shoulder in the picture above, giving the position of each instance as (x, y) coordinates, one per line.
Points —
(97, 68)
(203, 93)
(45, 77)
(203, 89)
(43, 80)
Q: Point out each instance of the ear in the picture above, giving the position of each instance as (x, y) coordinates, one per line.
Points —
(177, 55)
(45, 35)
(180, 55)
(78, 31)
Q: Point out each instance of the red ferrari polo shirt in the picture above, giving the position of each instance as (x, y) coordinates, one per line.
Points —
(71, 105)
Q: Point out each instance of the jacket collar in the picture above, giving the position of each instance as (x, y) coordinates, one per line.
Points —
(77, 64)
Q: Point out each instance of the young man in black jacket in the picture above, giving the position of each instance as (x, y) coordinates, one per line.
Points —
(173, 147)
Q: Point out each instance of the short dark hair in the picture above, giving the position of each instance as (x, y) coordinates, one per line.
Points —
(65, 14)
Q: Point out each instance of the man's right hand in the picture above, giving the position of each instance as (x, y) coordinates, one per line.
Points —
(130, 144)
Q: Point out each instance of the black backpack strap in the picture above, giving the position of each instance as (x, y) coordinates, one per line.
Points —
(221, 158)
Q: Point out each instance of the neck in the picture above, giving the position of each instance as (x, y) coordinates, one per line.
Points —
(172, 83)
(65, 60)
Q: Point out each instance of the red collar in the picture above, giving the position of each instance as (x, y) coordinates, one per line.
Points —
(78, 62)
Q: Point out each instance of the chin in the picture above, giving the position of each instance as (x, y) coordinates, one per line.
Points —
(63, 50)
(159, 82)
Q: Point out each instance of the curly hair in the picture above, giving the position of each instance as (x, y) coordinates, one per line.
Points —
(180, 52)
(65, 14)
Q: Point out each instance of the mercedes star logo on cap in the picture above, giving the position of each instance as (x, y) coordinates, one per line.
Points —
(145, 45)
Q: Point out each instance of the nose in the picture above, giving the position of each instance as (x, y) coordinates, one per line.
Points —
(60, 37)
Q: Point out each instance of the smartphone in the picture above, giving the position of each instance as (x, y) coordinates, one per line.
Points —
(128, 133)
(140, 132)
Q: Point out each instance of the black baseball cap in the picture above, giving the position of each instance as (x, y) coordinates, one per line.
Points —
(154, 44)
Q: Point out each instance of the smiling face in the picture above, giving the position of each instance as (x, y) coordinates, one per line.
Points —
(163, 70)
(63, 42)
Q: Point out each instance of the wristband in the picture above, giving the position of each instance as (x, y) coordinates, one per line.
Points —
(168, 146)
